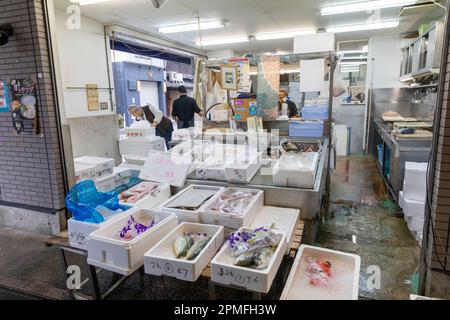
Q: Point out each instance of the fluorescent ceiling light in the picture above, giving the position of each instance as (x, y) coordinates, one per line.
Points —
(219, 41)
(204, 25)
(362, 27)
(364, 6)
(352, 51)
(284, 35)
(86, 2)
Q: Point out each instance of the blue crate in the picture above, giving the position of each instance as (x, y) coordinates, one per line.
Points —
(380, 153)
(315, 112)
(306, 129)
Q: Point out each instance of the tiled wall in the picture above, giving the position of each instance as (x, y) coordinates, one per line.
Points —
(31, 171)
(439, 242)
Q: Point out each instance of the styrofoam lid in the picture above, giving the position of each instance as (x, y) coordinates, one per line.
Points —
(92, 160)
(79, 166)
(416, 166)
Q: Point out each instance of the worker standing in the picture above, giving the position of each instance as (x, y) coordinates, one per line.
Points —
(184, 109)
(283, 98)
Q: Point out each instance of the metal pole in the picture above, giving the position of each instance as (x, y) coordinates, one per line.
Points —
(330, 128)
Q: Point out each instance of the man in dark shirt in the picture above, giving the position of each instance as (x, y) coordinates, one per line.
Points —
(292, 108)
(184, 108)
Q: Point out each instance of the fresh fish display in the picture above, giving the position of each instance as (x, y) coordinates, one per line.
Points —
(190, 244)
(233, 201)
(135, 228)
(253, 248)
(137, 193)
(318, 271)
(296, 147)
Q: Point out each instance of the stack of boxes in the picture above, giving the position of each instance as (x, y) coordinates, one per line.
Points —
(102, 172)
(413, 197)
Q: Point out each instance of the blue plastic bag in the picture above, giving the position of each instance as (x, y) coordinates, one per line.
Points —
(83, 199)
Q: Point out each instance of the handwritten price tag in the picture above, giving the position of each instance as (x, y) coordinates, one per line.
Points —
(237, 278)
(170, 270)
(165, 167)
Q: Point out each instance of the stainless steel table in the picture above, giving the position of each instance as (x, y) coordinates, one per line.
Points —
(309, 201)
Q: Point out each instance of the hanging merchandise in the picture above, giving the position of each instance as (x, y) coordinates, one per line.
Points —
(243, 69)
(4, 96)
(24, 105)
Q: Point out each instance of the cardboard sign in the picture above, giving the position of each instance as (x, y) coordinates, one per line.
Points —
(165, 167)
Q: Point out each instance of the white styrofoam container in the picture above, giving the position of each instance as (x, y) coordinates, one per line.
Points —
(401, 199)
(343, 285)
(135, 132)
(125, 257)
(84, 171)
(415, 224)
(122, 173)
(79, 231)
(415, 192)
(103, 166)
(234, 221)
(412, 208)
(161, 194)
(106, 183)
(416, 173)
(161, 260)
(303, 176)
(225, 272)
(187, 215)
(285, 220)
(141, 146)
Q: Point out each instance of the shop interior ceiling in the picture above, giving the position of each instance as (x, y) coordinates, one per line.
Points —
(246, 18)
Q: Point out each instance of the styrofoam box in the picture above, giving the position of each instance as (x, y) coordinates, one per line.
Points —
(285, 219)
(125, 257)
(401, 199)
(416, 173)
(415, 224)
(79, 231)
(161, 194)
(187, 215)
(134, 132)
(161, 260)
(302, 176)
(103, 166)
(141, 146)
(121, 173)
(412, 208)
(225, 272)
(414, 192)
(234, 221)
(84, 172)
(343, 284)
(106, 184)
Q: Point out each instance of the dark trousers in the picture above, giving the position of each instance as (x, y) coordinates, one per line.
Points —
(185, 124)
(166, 134)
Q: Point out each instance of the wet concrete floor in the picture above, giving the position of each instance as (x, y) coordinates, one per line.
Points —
(362, 221)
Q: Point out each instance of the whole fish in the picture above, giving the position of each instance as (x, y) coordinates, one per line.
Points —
(195, 250)
(182, 244)
(245, 260)
(262, 257)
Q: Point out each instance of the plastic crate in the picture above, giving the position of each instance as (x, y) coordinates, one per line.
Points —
(315, 112)
(307, 128)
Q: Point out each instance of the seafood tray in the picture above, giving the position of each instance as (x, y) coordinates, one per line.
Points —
(224, 270)
(124, 256)
(161, 260)
(234, 208)
(145, 195)
(337, 280)
(297, 171)
(283, 219)
(292, 147)
(190, 202)
(230, 163)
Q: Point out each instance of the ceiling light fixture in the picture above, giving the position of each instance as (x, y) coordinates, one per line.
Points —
(204, 25)
(364, 6)
(352, 51)
(219, 41)
(363, 27)
(86, 2)
(284, 35)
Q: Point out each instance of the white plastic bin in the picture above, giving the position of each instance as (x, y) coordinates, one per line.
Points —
(343, 284)
(284, 219)
(415, 224)
(161, 194)
(125, 257)
(161, 260)
(225, 272)
(412, 208)
(234, 221)
(103, 166)
(416, 173)
(189, 194)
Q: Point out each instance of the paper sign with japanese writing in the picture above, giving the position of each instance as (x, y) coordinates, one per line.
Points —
(165, 167)
(24, 106)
